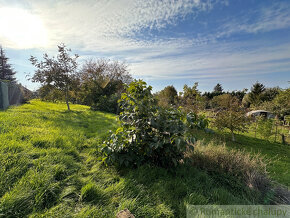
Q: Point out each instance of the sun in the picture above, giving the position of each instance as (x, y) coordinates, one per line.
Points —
(21, 29)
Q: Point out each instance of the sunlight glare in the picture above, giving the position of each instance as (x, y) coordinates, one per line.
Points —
(20, 29)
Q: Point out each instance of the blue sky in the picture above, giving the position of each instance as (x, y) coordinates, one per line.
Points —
(172, 42)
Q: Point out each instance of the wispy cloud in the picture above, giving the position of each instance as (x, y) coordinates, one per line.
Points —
(216, 62)
(108, 24)
(264, 19)
(133, 30)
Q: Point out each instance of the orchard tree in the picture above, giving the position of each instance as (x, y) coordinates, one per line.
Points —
(282, 103)
(102, 82)
(6, 70)
(59, 71)
(231, 116)
(191, 97)
(167, 96)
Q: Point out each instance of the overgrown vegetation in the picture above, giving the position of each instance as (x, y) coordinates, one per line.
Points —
(98, 83)
(148, 133)
(51, 167)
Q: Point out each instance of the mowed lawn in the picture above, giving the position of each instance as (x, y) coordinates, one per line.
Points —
(50, 166)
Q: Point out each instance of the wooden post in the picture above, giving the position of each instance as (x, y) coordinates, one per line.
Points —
(276, 130)
(256, 127)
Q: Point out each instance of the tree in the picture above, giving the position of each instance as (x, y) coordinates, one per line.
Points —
(59, 72)
(270, 93)
(191, 97)
(218, 89)
(6, 70)
(282, 103)
(265, 127)
(102, 82)
(167, 96)
(231, 116)
(148, 133)
(255, 96)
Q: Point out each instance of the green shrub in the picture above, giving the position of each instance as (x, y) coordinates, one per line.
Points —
(107, 103)
(265, 128)
(148, 133)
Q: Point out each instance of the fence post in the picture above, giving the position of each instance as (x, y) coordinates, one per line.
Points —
(4, 100)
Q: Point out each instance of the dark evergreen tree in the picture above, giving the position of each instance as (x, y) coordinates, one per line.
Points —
(255, 96)
(6, 70)
(218, 88)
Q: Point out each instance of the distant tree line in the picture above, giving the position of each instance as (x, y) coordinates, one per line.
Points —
(228, 109)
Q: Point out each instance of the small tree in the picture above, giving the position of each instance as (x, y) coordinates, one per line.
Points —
(231, 116)
(167, 96)
(218, 89)
(190, 99)
(265, 127)
(282, 103)
(59, 72)
(148, 133)
(6, 70)
(102, 82)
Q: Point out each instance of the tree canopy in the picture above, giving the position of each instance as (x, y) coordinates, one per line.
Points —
(58, 72)
(6, 70)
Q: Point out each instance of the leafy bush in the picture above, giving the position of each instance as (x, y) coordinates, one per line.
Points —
(148, 133)
(106, 103)
(265, 128)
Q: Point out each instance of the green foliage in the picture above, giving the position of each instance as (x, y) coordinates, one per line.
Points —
(256, 94)
(56, 73)
(231, 116)
(149, 134)
(282, 103)
(7, 73)
(218, 89)
(167, 97)
(101, 84)
(270, 93)
(107, 103)
(191, 99)
(265, 127)
(52, 180)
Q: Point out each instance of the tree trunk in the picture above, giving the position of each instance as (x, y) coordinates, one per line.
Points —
(66, 99)
(276, 131)
(233, 137)
(256, 128)
(283, 139)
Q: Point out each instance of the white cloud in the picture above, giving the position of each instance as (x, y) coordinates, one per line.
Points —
(111, 26)
(216, 62)
(264, 19)
(106, 25)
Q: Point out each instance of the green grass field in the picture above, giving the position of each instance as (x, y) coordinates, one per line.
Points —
(275, 154)
(50, 167)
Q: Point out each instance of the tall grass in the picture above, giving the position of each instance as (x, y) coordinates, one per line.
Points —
(50, 167)
(250, 169)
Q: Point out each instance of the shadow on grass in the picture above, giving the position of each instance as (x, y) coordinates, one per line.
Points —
(92, 124)
(276, 153)
(186, 185)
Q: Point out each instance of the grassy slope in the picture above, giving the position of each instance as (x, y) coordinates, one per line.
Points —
(49, 168)
(277, 154)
